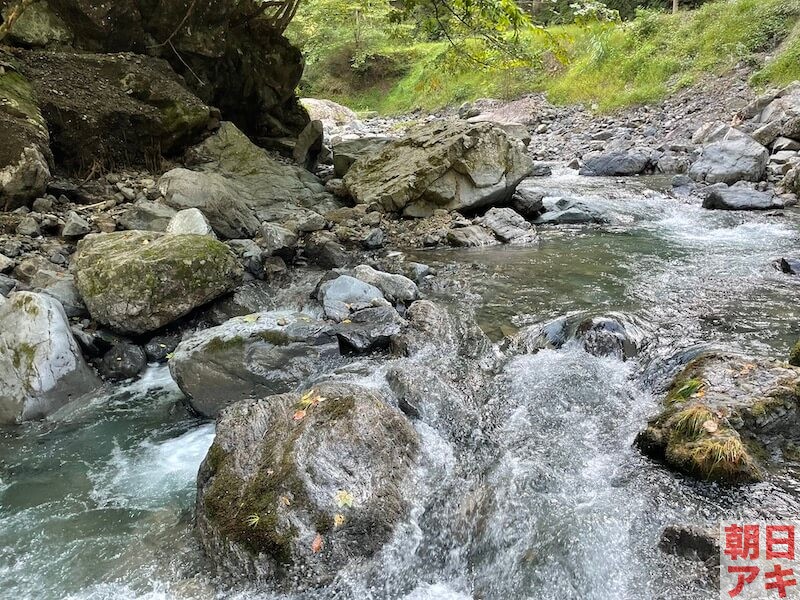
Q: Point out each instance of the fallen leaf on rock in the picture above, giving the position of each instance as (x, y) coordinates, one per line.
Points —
(710, 426)
(338, 520)
(285, 501)
(299, 415)
(250, 318)
(316, 545)
(344, 498)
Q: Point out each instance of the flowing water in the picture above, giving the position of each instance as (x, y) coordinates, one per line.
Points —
(550, 501)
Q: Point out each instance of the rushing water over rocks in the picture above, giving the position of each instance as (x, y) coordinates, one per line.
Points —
(536, 492)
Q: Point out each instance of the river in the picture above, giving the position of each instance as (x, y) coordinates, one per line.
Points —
(96, 503)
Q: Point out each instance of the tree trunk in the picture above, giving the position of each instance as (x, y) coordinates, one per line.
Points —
(675, 6)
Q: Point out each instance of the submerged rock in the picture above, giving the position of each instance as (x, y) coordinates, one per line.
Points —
(298, 487)
(252, 356)
(444, 164)
(692, 543)
(563, 211)
(136, 281)
(725, 418)
(740, 197)
(41, 366)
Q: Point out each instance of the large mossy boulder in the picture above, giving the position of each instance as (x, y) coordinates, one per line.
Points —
(139, 281)
(238, 186)
(114, 109)
(41, 367)
(445, 164)
(300, 486)
(726, 419)
(24, 150)
(251, 357)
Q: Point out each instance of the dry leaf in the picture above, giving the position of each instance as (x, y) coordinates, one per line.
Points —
(299, 415)
(710, 426)
(250, 318)
(338, 520)
(346, 322)
(285, 501)
(316, 545)
(344, 498)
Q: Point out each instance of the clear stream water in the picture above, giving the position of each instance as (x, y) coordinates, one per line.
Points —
(96, 503)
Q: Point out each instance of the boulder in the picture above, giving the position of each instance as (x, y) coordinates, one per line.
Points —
(443, 164)
(113, 109)
(369, 328)
(238, 186)
(123, 361)
(137, 281)
(606, 336)
(190, 221)
(790, 266)
(395, 288)
(740, 197)
(278, 240)
(528, 202)
(345, 295)
(731, 160)
(308, 146)
(38, 26)
(471, 237)
(347, 152)
(330, 113)
(24, 153)
(563, 211)
(147, 216)
(250, 357)
(725, 418)
(300, 487)
(619, 162)
(509, 226)
(41, 366)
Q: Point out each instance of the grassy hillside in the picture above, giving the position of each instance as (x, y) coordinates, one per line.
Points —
(609, 65)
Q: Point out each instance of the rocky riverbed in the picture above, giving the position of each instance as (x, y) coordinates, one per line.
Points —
(513, 350)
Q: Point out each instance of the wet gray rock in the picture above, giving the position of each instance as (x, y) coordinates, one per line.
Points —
(395, 288)
(740, 198)
(790, 266)
(692, 543)
(563, 211)
(731, 160)
(325, 475)
(147, 216)
(345, 295)
(75, 226)
(189, 221)
(159, 348)
(238, 186)
(528, 202)
(249, 298)
(604, 336)
(509, 226)
(136, 281)
(443, 164)
(629, 162)
(123, 361)
(471, 237)
(370, 328)
(252, 357)
(41, 365)
(64, 290)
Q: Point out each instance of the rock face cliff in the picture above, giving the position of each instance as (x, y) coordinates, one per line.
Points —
(229, 55)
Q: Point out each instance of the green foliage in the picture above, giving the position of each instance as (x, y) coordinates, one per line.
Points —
(406, 64)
